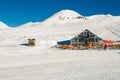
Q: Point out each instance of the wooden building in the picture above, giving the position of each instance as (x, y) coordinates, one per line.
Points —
(85, 39)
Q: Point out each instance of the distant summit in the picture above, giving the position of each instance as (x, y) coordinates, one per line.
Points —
(64, 16)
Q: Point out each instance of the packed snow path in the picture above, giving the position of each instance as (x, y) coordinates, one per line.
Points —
(54, 64)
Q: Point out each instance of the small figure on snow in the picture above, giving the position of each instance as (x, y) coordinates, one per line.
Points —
(105, 46)
(90, 45)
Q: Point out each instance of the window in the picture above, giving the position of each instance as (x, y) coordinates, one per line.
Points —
(88, 33)
(74, 40)
(91, 36)
(98, 39)
(81, 40)
(85, 33)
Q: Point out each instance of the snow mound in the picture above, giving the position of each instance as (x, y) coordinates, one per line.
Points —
(3, 25)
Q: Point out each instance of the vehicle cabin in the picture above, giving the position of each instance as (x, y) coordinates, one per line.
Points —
(31, 42)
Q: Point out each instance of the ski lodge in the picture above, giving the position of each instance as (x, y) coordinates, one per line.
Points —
(84, 39)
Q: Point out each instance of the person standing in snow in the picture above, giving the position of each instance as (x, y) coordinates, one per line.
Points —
(90, 45)
(105, 46)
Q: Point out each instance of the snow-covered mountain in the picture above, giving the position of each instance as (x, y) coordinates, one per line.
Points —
(63, 25)
(64, 16)
(3, 25)
(45, 63)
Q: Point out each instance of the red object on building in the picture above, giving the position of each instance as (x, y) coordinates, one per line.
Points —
(109, 42)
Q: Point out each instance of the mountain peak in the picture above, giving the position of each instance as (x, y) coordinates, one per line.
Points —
(64, 15)
(69, 13)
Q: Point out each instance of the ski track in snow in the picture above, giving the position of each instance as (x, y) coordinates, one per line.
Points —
(62, 65)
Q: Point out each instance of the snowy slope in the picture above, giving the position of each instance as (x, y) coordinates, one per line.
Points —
(66, 22)
(29, 24)
(36, 64)
(54, 29)
(3, 25)
(42, 62)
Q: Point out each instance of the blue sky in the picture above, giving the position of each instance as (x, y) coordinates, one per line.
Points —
(17, 12)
